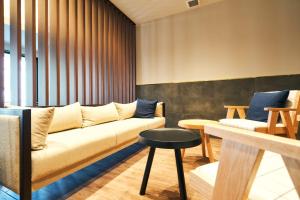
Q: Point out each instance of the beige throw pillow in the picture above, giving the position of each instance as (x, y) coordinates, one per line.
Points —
(126, 110)
(40, 122)
(65, 118)
(100, 114)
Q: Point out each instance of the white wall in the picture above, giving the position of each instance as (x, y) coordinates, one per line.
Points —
(225, 40)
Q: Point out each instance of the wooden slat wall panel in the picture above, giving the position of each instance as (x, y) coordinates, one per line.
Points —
(15, 51)
(123, 43)
(133, 45)
(81, 51)
(73, 52)
(105, 55)
(88, 80)
(94, 54)
(100, 43)
(63, 38)
(86, 53)
(43, 61)
(54, 54)
(1, 53)
(30, 53)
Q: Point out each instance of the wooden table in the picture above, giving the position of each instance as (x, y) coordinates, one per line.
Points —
(199, 124)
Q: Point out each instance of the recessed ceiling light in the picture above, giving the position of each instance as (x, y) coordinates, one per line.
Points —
(192, 3)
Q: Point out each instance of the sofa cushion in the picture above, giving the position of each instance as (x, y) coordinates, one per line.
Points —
(86, 142)
(67, 148)
(145, 108)
(134, 126)
(65, 118)
(245, 123)
(261, 100)
(40, 123)
(126, 110)
(100, 114)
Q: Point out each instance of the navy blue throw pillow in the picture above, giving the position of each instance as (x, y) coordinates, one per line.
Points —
(145, 108)
(261, 100)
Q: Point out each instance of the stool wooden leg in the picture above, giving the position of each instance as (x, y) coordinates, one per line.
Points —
(203, 143)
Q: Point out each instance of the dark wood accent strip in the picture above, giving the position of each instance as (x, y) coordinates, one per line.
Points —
(15, 52)
(43, 61)
(1, 53)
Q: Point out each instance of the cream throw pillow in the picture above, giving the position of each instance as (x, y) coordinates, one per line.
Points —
(126, 110)
(100, 114)
(65, 118)
(40, 122)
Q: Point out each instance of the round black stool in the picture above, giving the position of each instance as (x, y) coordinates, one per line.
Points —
(168, 138)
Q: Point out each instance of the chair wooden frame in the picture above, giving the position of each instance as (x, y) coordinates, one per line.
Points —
(241, 155)
(290, 118)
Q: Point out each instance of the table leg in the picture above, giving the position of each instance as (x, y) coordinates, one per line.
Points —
(203, 142)
(147, 171)
(209, 149)
(180, 173)
(182, 153)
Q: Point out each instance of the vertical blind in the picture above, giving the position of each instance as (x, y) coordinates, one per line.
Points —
(85, 52)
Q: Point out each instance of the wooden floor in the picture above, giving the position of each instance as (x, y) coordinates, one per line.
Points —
(120, 175)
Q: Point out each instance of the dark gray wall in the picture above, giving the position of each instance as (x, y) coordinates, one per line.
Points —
(206, 99)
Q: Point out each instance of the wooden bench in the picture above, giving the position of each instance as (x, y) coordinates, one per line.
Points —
(252, 166)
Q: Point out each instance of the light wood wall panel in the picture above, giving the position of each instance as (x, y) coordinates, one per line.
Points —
(30, 53)
(54, 63)
(86, 52)
(63, 40)
(73, 51)
(15, 52)
(81, 51)
(1, 53)
(43, 49)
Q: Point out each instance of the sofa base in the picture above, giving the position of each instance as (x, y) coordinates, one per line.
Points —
(73, 168)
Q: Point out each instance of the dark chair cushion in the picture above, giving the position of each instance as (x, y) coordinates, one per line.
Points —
(261, 100)
(145, 108)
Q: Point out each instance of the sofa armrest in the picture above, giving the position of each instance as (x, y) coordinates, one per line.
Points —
(231, 110)
(280, 109)
(15, 150)
(160, 110)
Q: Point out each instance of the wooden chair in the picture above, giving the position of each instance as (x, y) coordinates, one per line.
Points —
(290, 117)
(252, 166)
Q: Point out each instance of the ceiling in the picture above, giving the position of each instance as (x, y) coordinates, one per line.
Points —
(142, 11)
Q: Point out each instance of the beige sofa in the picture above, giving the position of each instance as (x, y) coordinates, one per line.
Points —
(23, 170)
